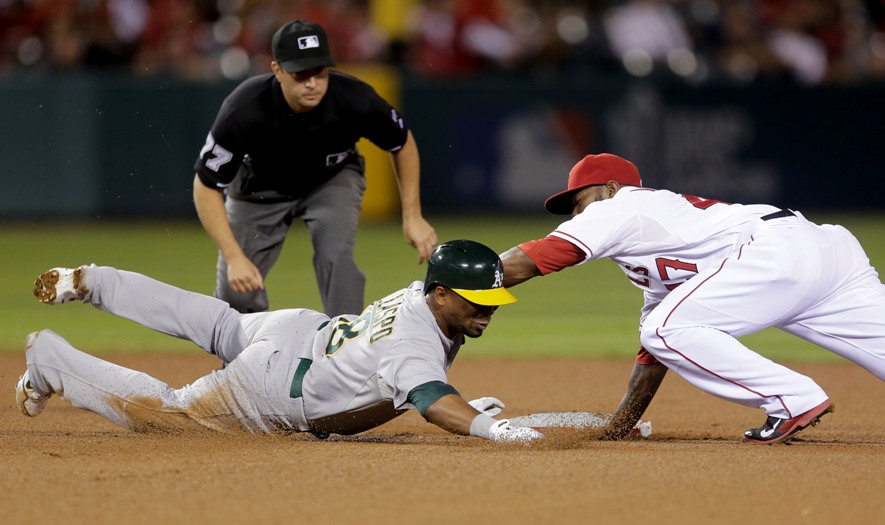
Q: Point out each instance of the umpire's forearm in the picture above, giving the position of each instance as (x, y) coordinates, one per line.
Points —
(209, 204)
(407, 169)
(641, 388)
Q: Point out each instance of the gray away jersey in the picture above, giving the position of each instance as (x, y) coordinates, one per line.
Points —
(364, 367)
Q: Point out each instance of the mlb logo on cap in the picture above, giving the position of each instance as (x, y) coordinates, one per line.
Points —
(301, 45)
(307, 42)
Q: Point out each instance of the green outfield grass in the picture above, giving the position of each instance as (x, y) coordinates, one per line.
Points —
(589, 311)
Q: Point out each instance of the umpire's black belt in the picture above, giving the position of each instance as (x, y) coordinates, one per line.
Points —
(778, 215)
(298, 378)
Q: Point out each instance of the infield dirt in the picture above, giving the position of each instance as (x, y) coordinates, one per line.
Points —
(70, 466)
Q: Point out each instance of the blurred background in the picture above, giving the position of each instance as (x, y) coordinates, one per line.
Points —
(105, 104)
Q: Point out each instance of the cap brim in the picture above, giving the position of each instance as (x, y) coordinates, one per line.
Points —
(561, 203)
(490, 297)
(297, 66)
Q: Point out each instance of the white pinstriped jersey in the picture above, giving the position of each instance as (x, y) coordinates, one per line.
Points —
(812, 281)
(660, 239)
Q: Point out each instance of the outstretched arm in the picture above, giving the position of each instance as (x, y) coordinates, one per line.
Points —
(641, 388)
(518, 267)
(451, 412)
(539, 257)
(407, 167)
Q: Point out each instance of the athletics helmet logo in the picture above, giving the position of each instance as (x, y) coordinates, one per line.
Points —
(499, 279)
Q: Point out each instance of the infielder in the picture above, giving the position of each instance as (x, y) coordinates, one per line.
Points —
(283, 148)
(712, 272)
(287, 371)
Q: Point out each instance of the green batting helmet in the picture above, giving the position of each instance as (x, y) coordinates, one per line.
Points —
(470, 269)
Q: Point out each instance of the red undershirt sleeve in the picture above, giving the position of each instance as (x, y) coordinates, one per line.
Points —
(552, 254)
(645, 358)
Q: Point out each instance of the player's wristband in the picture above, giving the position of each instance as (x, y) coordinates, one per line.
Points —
(481, 425)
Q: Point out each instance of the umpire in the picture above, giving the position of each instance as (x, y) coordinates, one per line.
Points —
(283, 146)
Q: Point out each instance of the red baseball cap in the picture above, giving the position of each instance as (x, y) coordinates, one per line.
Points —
(593, 170)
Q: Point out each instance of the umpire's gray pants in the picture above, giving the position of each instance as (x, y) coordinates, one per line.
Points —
(331, 214)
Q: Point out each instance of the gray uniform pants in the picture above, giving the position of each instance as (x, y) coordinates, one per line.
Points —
(250, 394)
(331, 214)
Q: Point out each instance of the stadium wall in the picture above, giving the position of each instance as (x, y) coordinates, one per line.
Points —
(87, 146)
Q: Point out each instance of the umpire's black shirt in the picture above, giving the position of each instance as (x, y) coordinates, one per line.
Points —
(283, 154)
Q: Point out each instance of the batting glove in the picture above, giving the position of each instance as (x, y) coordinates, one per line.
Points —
(490, 406)
(503, 432)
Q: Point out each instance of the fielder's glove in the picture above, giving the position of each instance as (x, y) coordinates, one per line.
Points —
(490, 406)
(503, 432)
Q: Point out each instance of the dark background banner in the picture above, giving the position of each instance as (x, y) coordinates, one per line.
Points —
(86, 146)
(505, 145)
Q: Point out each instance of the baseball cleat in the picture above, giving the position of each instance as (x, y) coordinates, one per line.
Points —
(59, 285)
(27, 399)
(777, 430)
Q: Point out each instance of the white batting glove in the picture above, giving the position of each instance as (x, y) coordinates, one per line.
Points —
(503, 432)
(490, 406)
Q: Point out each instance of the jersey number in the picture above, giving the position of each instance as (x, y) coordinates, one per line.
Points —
(672, 269)
(668, 270)
(668, 266)
(642, 275)
(380, 319)
(345, 331)
(220, 155)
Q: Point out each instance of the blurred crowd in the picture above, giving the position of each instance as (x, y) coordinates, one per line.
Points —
(810, 42)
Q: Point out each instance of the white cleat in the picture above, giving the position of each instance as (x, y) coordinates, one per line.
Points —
(59, 285)
(27, 399)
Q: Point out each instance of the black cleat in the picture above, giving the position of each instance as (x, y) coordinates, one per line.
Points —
(777, 430)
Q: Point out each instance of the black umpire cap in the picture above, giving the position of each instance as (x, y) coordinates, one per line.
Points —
(301, 45)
